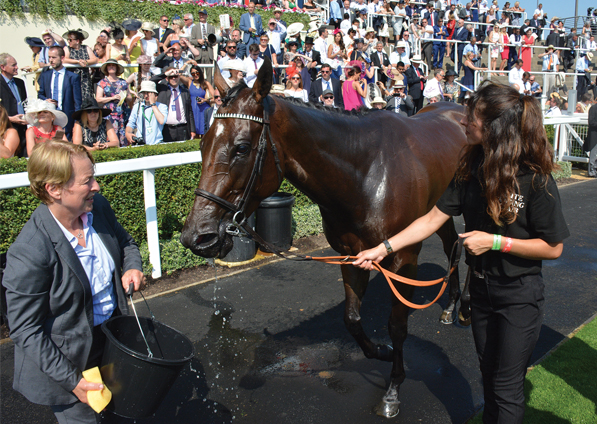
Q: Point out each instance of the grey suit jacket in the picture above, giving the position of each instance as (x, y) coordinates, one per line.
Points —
(196, 35)
(49, 302)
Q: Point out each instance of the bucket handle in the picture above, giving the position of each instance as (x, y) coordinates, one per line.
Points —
(129, 292)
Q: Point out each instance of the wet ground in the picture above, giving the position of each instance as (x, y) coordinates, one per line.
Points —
(271, 346)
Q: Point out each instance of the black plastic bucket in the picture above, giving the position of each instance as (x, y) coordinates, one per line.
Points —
(274, 220)
(244, 248)
(139, 383)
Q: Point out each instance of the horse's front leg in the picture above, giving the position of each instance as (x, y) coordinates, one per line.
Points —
(356, 281)
(390, 404)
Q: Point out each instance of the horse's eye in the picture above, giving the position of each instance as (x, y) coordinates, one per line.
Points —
(242, 149)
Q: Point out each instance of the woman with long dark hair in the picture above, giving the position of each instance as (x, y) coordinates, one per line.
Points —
(511, 206)
(202, 93)
(353, 89)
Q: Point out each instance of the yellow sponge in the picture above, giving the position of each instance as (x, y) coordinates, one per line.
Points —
(98, 399)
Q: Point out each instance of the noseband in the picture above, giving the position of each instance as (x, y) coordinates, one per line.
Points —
(239, 218)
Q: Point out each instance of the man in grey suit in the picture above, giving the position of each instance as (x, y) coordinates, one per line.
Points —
(66, 273)
(199, 35)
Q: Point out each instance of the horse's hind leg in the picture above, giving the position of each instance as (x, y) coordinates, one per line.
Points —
(449, 236)
(356, 281)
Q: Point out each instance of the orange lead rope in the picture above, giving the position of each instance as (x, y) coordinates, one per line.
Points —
(454, 260)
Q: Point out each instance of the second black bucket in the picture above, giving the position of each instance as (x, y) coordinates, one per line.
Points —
(243, 249)
(138, 382)
(274, 220)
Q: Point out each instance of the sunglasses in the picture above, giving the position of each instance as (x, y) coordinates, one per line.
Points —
(217, 97)
(326, 72)
(194, 73)
(295, 78)
(172, 76)
(328, 97)
(165, 20)
(231, 47)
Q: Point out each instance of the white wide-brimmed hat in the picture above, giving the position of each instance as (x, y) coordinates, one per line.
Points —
(416, 58)
(398, 84)
(378, 99)
(234, 64)
(147, 26)
(38, 105)
(400, 44)
(148, 87)
(294, 29)
(277, 89)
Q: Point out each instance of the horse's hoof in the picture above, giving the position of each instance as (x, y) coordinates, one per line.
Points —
(387, 409)
(464, 321)
(447, 317)
(385, 353)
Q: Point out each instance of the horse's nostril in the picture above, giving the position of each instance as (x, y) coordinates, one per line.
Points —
(204, 239)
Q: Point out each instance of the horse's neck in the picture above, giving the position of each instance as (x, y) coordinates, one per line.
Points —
(316, 156)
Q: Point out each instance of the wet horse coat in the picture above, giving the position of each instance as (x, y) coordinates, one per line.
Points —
(371, 174)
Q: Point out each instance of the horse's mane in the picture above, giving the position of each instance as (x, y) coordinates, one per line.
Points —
(235, 91)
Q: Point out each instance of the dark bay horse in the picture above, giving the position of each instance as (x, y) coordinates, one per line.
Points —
(371, 174)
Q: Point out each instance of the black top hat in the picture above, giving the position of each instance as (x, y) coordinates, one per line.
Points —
(131, 24)
(89, 103)
(34, 42)
(309, 40)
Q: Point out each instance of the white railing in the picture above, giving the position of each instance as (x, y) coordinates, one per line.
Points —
(146, 164)
(568, 137)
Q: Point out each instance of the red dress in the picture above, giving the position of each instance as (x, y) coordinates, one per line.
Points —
(42, 137)
(506, 49)
(451, 25)
(525, 52)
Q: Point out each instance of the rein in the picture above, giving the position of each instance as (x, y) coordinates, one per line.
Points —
(240, 224)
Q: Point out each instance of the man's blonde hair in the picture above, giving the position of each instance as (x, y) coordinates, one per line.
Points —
(51, 163)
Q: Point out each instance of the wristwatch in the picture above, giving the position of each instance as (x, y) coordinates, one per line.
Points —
(388, 246)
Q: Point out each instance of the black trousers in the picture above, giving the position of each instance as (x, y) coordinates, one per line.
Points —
(176, 133)
(506, 319)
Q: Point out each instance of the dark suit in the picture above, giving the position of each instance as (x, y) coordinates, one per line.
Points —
(460, 34)
(156, 34)
(207, 113)
(381, 76)
(50, 306)
(206, 52)
(241, 50)
(317, 90)
(316, 57)
(163, 60)
(71, 95)
(435, 18)
(10, 104)
(590, 144)
(164, 94)
(414, 87)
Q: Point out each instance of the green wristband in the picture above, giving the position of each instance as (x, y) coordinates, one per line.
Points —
(497, 242)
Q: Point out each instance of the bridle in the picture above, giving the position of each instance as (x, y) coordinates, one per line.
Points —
(239, 218)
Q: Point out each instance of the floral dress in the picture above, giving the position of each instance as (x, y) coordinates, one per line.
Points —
(86, 86)
(452, 89)
(120, 114)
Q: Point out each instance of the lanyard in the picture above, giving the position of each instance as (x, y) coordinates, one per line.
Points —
(145, 116)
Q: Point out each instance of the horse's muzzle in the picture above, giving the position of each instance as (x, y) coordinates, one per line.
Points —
(207, 245)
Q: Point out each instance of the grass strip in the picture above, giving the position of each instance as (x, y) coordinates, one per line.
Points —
(562, 389)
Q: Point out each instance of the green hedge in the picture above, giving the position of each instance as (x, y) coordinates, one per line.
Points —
(118, 10)
(174, 195)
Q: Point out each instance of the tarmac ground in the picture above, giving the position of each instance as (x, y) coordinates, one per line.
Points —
(271, 346)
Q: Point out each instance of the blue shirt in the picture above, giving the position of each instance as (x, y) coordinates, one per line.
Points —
(153, 129)
(98, 265)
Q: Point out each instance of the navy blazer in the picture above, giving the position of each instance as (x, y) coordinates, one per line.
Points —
(164, 94)
(10, 104)
(317, 90)
(71, 95)
(50, 305)
(245, 24)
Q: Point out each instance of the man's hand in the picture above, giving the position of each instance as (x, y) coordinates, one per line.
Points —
(133, 276)
(152, 97)
(17, 119)
(83, 387)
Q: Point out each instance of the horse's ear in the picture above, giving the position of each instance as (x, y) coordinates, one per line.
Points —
(220, 82)
(264, 81)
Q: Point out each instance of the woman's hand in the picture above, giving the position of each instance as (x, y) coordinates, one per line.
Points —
(477, 242)
(366, 258)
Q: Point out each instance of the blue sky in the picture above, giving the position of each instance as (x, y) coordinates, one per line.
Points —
(559, 8)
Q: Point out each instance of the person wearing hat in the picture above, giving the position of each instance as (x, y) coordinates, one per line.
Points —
(378, 103)
(400, 55)
(416, 80)
(278, 18)
(79, 54)
(113, 92)
(162, 32)
(550, 62)
(148, 116)
(45, 122)
(199, 35)
(61, 87)
(358, 50)
(144, 73)
(328, 98)
(326, 82)
(251, 25)
(451, 89)
(526, 52)
(149, 44)
(314, 57)
(398, 101)
(91, 129)
(36, 45)
(555, 103)
(132, 41)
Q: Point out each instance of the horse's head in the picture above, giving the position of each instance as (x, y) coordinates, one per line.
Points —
(235, 176)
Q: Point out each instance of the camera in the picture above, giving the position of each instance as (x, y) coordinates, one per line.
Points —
(137, 141)
(589, 10)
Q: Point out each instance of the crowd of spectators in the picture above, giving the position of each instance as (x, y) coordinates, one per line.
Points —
(156, 81)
